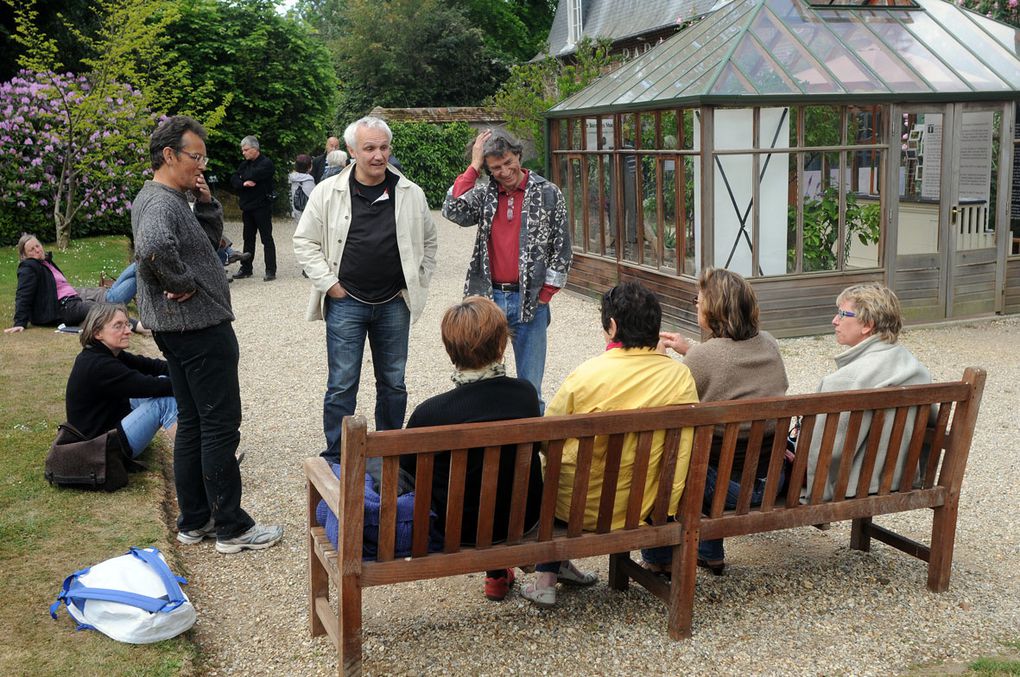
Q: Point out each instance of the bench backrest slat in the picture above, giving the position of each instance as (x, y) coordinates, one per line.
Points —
(799, 470)
(853, 431)
(638, 479)
(937, 444)
(778, 455)
(453, 521)
(388, 509)
(582, 474)
(871, 452)
(824, 458)
(915, 448)
(724, 469)
(550, 489)
(670, 450)
(487, 499)
(422, 504)
(892, 450)
(519, 497)
(610, 482)
(749, 475)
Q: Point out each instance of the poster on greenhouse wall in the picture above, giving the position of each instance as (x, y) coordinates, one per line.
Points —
(734, 177)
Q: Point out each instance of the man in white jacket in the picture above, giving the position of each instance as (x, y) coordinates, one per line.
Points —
(368, 244)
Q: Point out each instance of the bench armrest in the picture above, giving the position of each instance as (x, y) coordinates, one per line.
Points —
(325, 483)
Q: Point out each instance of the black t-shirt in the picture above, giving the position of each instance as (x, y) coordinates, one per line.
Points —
(370, 269)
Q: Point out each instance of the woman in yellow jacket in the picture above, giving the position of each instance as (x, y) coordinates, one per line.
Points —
(630, 374)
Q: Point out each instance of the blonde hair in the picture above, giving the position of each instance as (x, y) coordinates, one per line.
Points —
(877, 305)
(728, 303)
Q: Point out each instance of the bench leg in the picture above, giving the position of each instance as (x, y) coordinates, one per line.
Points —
(943, 540)
(618, 578)
(681, 589)
(350, 627)
(860, 537)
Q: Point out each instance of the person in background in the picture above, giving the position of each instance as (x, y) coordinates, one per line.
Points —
(867, 322)
(738, 361)
(111, 388)
(301, 180)
(368, 245)
(522, 249)
(44, 297)
(253, 182)
(319, 162)
(630, 374)
(335, 162)
(475, 335)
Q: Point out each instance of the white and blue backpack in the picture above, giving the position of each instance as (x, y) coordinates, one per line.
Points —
(134, 598)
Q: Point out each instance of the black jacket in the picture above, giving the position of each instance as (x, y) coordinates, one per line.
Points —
(101, 384)
(259, 170)
(36, 298)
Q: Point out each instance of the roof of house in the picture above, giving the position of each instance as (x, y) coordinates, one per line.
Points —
(440, 114)
(760, 51)
(623, 19)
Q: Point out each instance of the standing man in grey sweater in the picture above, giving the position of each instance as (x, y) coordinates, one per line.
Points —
(184, 298)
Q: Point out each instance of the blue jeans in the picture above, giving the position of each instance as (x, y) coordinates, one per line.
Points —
(148, 414)
(387, 325)
(527, 338)
(125, 286)
(710, 551)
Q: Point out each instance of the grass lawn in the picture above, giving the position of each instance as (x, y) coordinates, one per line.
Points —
(48, 533)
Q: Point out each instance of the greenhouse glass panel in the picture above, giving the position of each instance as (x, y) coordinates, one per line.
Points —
(814, 35)
(977, 75)
(808, 74)
(912, 51)
(964, 30)
(760, 69)
(1005, 35)
(731, 82)
(703, 59)
(871, 50)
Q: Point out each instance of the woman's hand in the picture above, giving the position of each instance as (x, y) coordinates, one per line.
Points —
(674, 340)
(14, 330)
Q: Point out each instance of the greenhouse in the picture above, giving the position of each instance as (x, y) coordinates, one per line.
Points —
(808, 146)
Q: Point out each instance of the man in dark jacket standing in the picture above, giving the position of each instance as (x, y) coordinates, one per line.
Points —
(253, 182)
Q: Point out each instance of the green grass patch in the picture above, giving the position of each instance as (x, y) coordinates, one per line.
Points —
(994, 666)
(48, 533)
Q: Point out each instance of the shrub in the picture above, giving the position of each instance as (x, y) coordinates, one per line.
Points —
(432, 155)
(50, 172)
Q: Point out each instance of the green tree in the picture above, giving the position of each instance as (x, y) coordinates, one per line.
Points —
(407, 53)
(534, 88)
(279, 74)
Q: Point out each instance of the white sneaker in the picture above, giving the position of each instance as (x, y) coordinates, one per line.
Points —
(195, 536)
(257, 538)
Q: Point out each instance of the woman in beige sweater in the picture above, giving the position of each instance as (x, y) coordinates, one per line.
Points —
(738, 361)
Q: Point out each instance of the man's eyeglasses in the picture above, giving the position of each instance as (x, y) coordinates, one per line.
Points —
(843, 314)
(202, 160)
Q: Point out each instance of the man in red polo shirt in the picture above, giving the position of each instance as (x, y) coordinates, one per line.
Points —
(522, 251)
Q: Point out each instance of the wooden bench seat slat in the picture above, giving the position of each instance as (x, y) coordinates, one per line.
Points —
(388, 508)
(749, 473)
(914, 449)
(871, 453)
(778, 455)
(937, 444)
(610, 481)
(487, 500)
(639, 477)
(892, 452)
(422, 504)
(824, 458)
(453, 523)
(519, 497)
(798, 471)
(846, 459)
(724, 469)
(670, 450)
(550, 489)
(579, 497)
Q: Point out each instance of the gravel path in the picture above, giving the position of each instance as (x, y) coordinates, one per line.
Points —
(793, 602)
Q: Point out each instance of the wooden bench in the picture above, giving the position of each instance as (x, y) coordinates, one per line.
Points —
(937, 452)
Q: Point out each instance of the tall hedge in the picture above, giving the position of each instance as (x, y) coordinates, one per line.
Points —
(432, 155)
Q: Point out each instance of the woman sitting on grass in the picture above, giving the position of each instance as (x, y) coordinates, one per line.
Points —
(111, 388)
(45, 297)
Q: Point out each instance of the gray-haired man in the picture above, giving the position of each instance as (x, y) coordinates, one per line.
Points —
(253, 182)
(522, 250)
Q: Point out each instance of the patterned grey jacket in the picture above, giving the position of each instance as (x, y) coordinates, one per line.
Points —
(545, 238)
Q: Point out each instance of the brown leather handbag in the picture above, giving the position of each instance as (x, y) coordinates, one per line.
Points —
(99, 464)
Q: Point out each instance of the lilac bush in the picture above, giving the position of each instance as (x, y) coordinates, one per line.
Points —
(67, 160)
(1006, 11)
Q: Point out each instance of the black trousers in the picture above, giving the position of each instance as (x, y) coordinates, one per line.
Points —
(203, 370)
(260, 220)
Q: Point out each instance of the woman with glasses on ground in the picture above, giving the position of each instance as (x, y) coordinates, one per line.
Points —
(45, 298)
(111, 388)
(868, 323)
(738, 361)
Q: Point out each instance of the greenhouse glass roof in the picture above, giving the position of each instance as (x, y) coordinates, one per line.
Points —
(787, 50)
